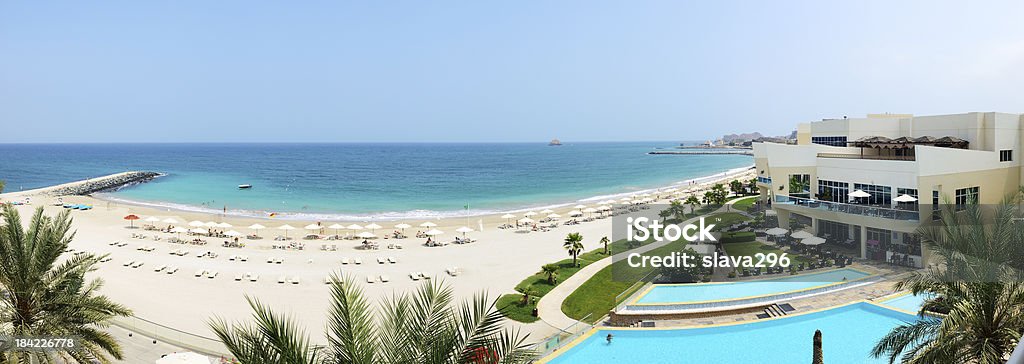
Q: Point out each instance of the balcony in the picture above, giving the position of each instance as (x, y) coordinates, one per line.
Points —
(868, 156)
(848, 208)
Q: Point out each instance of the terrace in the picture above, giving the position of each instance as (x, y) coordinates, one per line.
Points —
(850, 208)
(899, 149)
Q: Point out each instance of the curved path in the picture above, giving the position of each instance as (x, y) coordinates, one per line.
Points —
(549, 308)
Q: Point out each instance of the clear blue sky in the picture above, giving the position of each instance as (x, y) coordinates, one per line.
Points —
(491, 71)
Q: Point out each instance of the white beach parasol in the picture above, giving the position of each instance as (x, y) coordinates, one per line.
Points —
(546, 211)
(195, 223)
(210, 224)
(433, 232)
(508, 218)
(530, 213)
(403, 226)
(580, 207)
(905, 198)
(199, 231)
(169, 221)
(801, 235)
(428, 224)
(812, 241)
(859, 194)
(179, 230)
(366, 235)
(224, 225)
(286, 227)
(187, 357)
(232, 233)
(589, 210)
(336, 227)
(373, 226)
(554, 216)
(464, 230)
(312, 227)
(257, 227)
(526, 220)
(575, 213)
(354, 227)
(152, 219)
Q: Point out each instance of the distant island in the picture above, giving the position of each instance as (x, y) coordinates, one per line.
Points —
(555, 142)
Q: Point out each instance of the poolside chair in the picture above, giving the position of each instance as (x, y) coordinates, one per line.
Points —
(239, 276)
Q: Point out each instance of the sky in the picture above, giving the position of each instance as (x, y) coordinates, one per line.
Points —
(475, 71)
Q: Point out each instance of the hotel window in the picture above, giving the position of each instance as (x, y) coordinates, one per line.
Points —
(1006, 155)
(833, 191)
(880, 195)
(835, 141)
(936, 213)
(800, 185)
(966, 196)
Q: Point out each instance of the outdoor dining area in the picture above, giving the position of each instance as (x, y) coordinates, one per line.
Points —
(877, 203)
(810, 246)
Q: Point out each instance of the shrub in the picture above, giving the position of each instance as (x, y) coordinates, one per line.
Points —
(737, 237)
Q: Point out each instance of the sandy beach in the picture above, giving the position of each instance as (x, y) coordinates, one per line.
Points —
(495, 263)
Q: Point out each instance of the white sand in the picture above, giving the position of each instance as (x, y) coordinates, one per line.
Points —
(498, 261)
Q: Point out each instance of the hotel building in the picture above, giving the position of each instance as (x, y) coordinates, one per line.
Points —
(866, 184)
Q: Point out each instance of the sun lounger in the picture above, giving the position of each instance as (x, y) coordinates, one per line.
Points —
(344, 260)
(278, 260)
(106, 259)
(295, 280)
(371, 279)
(384, 278)
(244, 258)
(424, 275)
(232, 258)
(270, 260)
(200, 273)
(282, 279)
(129, 263)
(358, 261)
(380, 260)
(171, 270)
(453, 271)
(211, 274)
(160, 268)
(392, 260)
(414, 276)
(239, 276)
(253, 277)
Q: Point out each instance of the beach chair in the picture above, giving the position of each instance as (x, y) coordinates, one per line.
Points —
(171, 270)
(129, 263)
(392, 260)
(200, 273)
(371, 279)
(282, 279)
(358, 261)
(160, 268)
(253, 277)
(380, 260)
(211, 274)
(295, 280)
(278, 260)
(244, 258)
(232, 257)
(414, 276)
(423, 275)
(270, 260)
(344, 260)
(384, 278)
(238, 277)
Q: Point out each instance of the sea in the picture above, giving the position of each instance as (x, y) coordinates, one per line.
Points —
(361, 181)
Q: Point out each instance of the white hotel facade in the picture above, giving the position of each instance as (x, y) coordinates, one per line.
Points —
(958, 158)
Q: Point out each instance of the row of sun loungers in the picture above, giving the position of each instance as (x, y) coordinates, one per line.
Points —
(292, 280)
(118, 244)
(240, 258)
(275, 260)
(144, 236)
(145, 248)
(208, 273)
(353, 261)
(382, 260)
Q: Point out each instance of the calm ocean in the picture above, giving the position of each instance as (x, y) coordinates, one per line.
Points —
(359, 181)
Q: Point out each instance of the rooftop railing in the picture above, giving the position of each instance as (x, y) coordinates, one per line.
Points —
(867, 156)
(849, 208)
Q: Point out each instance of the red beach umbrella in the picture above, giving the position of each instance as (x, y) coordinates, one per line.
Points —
(131, 219)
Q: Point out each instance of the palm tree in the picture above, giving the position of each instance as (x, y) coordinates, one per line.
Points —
(605, 241)
(978, 288)
(49, 296)
(693, 201)
(551, 270)
(574, 245)
(2, 185)
(411, 328)
(736, 186)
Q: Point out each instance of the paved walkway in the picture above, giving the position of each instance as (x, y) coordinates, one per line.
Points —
(550, 306)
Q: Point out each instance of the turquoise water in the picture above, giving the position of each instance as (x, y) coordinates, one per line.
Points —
(848, 334)
(724, 291)
(349, 181)
(909, 303)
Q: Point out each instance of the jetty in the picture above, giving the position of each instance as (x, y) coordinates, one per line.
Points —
(111, 182)
(703, 152)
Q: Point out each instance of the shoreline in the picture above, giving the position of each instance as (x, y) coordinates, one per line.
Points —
(105, 195)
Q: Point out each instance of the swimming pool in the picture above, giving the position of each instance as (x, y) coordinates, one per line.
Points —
(908, 302)
(701, 292)
(848, 334)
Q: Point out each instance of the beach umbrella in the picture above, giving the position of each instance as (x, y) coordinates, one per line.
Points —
(575, 213)
(403, 226)
(336, 227)
(170, 221)
(580, 207)
(859, 194)
(199, 231)
(554, 216)
(606, 208)
(195, 223)
(433, 232)
(152, 219)
(464, 230)
(312, 227)
(187, 357)
(232, 233)
(776, 231)
(526, 220)
(530, 213)
(257, 227)
(589, 210)
(373, 226)
(812, 241)
(355, 227)
(428, 224)
(546, 211)
(366, 235)
(905, 198)
(286, 227)
(210, 224)
(131, 220)
(224, 225)
(508, 218)
(801, 235)
(179, 230)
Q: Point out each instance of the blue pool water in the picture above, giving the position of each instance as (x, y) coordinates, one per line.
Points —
(909, 303)
(370, 180)
(848, 334)
(734, 290)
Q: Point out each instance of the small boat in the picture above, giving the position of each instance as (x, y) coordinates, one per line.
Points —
(244, 187)
(555, 142)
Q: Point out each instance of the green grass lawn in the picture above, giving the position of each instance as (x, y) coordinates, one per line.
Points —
(724, 219)
(511, 304)
(596, 296)
(744, 203)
